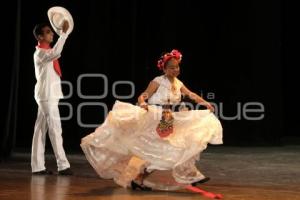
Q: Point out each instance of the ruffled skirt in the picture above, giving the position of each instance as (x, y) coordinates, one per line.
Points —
(127, 143)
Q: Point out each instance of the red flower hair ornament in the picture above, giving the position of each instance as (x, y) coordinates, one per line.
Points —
(167, 56)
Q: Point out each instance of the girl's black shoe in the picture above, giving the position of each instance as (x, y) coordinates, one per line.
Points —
(142, 187)
(201, 181)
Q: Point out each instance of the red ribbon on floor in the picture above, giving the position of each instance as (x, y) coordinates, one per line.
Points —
(203, 192)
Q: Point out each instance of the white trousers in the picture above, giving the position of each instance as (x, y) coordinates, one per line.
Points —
(48, 119)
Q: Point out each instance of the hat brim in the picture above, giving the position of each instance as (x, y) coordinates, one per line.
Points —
(56, 16)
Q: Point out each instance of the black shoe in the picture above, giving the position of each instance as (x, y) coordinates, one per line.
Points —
(65, 172)
(142, 187)
(201, 181)
(43, 172)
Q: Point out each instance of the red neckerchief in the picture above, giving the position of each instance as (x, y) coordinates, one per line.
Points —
(55, 62)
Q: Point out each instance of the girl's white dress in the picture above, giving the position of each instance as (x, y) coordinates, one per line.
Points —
(130, 131)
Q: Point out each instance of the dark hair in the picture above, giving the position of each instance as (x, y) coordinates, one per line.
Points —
(38, 30)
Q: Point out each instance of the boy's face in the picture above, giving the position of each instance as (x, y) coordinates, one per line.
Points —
(47, 35)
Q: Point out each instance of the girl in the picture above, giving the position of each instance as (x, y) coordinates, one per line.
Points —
(136, 140)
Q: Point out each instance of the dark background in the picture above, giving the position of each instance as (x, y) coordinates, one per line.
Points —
(242, 51)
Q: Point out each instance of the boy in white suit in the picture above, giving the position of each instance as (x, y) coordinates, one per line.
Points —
(47, 94)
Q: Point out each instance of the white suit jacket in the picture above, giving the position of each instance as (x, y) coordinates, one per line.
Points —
(48, 85)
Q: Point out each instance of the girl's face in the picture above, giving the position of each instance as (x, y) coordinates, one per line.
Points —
(172, 68)
(47, 35)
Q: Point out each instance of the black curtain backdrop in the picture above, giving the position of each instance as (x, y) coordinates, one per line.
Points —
(235, 53)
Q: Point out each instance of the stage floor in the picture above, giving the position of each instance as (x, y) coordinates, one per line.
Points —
(238, 173)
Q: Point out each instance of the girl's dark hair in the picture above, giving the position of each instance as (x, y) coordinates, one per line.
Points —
(38, 29)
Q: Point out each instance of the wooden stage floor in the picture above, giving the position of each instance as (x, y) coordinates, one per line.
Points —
(239, 173)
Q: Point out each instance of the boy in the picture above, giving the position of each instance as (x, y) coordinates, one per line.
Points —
(47, 94)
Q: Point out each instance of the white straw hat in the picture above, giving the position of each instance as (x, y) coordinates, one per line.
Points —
(57, 15)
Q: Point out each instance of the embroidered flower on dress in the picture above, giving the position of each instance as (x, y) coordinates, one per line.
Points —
(165, 126)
